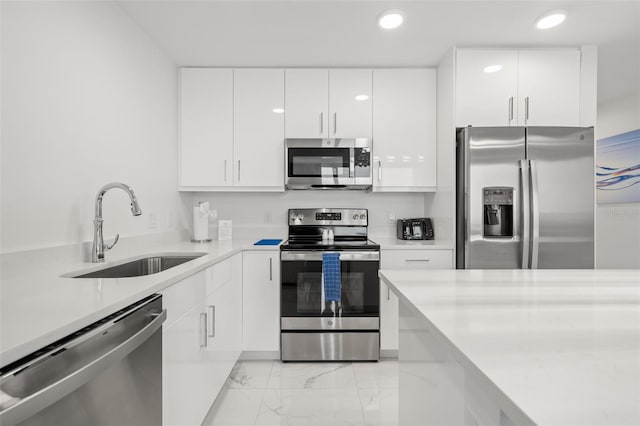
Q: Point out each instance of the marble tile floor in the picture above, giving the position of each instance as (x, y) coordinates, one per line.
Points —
(272, 393)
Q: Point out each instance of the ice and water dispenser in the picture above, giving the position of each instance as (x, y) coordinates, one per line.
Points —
(498, 211)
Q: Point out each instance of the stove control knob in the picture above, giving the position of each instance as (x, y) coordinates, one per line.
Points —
(355, 216)
(363, 217)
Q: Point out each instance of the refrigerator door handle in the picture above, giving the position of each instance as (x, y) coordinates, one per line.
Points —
(535, 215)
(525, 239)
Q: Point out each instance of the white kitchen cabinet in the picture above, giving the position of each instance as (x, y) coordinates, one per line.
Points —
(206, 127)
(201, 342)
(403, 259)
(350, 100)
(549, 87)
(306, 103)
(486, 98)
(534, 87)
(258, 128)
(404, 129)
(261, 301)
(224, 330)
(322, 103)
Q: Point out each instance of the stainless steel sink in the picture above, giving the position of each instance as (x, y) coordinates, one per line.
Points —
(139, 267)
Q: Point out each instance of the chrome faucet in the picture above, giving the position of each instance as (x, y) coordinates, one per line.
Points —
(99, 247)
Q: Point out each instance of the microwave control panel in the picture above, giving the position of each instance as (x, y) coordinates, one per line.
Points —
(362, 162)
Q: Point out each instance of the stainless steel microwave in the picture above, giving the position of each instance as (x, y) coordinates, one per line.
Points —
(328, 163)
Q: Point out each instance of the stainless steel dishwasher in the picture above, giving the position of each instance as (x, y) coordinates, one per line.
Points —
(108, 373)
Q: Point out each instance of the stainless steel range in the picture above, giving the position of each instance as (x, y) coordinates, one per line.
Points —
(330, 297)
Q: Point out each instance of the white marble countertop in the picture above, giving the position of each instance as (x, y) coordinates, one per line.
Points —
(40, 306)
(390, 243)
(563, 345)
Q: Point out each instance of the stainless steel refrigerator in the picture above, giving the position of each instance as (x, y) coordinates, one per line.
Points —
(525, 198)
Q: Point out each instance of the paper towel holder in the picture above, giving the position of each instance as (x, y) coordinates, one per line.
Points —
(204, 208)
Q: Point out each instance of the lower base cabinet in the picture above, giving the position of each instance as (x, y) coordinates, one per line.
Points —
(403, 259)
(261, 301)
(201, 342)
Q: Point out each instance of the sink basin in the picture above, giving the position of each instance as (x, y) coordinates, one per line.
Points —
(139, 267)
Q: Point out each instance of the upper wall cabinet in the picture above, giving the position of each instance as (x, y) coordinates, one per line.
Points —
(350, 112)
(232, 129)
(549, 87)
(527, 87)
(258, 128)
(324, 103)
(307, 103)
(206, 127)
(404, 130)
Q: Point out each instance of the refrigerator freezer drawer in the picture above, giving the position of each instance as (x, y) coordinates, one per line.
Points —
(329, 346)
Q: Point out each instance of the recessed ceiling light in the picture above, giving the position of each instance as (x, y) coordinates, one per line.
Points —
(493, 68)
(551, 19)
(390, 19)
(362, 97)
(278, 110)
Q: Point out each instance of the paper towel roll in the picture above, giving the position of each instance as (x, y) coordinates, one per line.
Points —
(200, 225)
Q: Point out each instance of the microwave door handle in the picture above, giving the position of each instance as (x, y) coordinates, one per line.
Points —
(352, 166)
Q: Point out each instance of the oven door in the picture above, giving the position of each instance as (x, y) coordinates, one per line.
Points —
(302, 291)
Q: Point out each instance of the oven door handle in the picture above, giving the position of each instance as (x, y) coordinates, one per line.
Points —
(366, 256)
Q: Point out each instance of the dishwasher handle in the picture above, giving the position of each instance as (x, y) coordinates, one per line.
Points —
(41, 399)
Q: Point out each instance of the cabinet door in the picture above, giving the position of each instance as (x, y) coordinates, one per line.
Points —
(306, 103)
(388, 319)
(206, 127)
(224, 335)
(404, 129)
(186, 371)
(261, 301)
(350, 112)
(549, 87)
(258, 126)
(486, 98)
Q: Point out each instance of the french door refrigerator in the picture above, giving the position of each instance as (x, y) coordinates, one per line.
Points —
(525, 198)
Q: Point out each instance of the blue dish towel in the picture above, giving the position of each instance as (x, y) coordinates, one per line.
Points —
(331, 274)
(267, 242)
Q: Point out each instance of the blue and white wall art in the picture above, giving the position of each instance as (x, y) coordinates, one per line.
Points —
(618, 168)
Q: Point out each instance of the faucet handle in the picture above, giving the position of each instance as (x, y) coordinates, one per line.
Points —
(110, 246)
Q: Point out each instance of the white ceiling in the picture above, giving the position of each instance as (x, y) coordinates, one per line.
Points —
(344, 33)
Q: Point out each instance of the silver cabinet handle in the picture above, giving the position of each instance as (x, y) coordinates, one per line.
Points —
(225, 170)
(335, 123)
(321, 123)
(379, 171)
(524, 182)
(526, 109)
(203, 330)
(417, 260)
(271, 269)
(535, 215)
(212, 314)
(238, 170)
(510, 109)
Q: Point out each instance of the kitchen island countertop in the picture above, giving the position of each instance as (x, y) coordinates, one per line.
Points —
(562, 345)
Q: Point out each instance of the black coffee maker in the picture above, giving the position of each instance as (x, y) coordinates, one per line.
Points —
(414, 229)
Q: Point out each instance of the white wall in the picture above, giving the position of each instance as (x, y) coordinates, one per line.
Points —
(618, 225)
(87, 99)
(264, 215)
